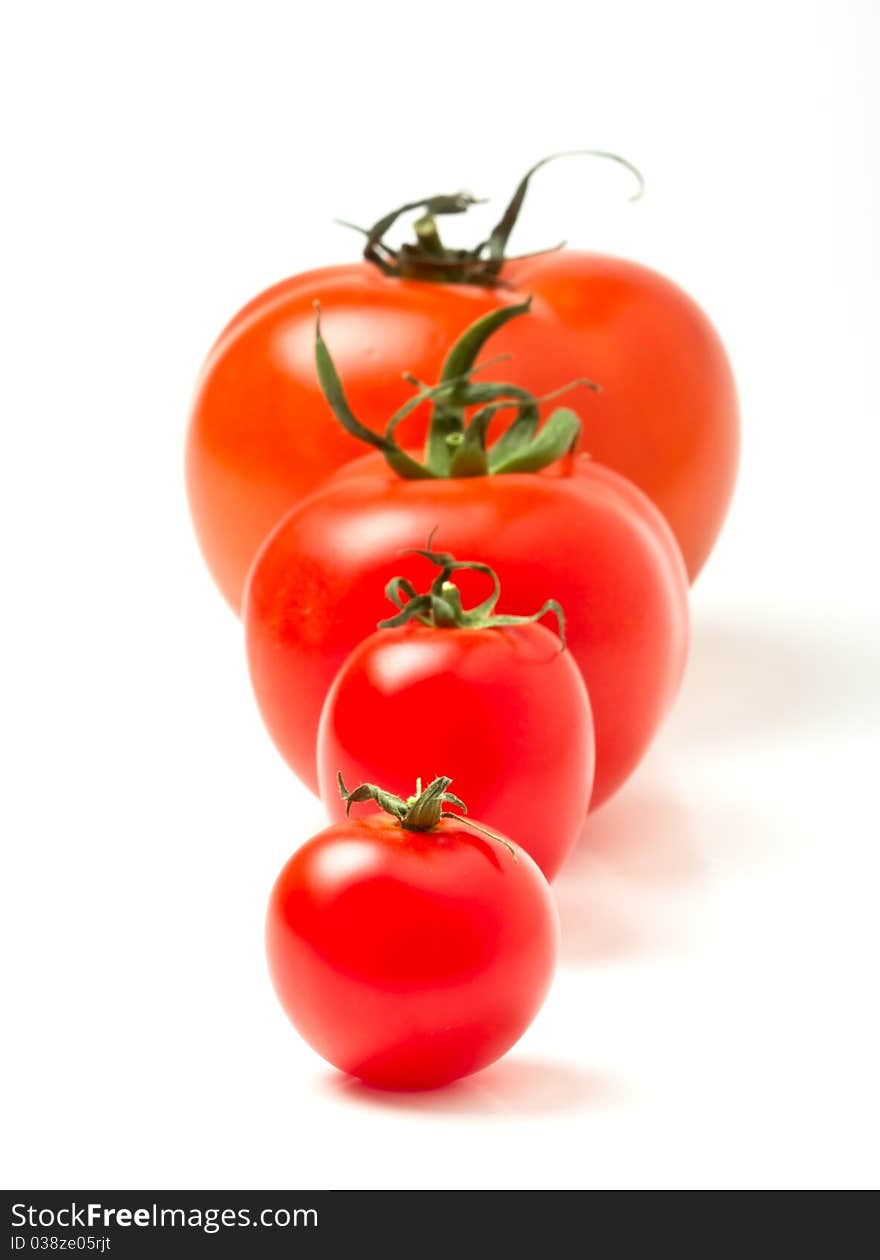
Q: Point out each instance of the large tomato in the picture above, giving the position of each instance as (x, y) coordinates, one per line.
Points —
(261, 435)
(410, 951)
(500, 706)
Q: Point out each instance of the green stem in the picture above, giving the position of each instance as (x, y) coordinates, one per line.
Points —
(441, 605)
(428, 236)
(428, 259)
(422, 811)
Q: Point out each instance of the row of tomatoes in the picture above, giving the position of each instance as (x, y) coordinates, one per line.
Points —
(411, 944)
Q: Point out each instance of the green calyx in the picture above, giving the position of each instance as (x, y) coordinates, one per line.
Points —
(420, 812)
(457, 443)
(441, 605)
(427, 258)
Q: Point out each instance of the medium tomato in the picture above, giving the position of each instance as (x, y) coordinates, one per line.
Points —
(494, 700)
(575, 528)
(261, 436)
(409, 949)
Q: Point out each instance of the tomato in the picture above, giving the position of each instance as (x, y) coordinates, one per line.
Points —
(500, 707)
(261, 436)
(410, 957)
(582, 532)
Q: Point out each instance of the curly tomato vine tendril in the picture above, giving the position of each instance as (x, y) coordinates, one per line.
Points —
(427, 258)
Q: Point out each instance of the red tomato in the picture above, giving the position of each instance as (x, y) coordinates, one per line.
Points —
(503, 710)
(410, 958)
(261, 436)
(578, 531)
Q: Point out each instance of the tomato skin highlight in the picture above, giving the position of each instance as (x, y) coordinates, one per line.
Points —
(261, 435)
(503, 711)
(410, 959)
(587, 537)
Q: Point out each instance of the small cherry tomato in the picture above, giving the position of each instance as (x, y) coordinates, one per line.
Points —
(408, 948)
(493, 699)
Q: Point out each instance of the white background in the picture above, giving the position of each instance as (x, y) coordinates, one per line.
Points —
(714, 1021)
